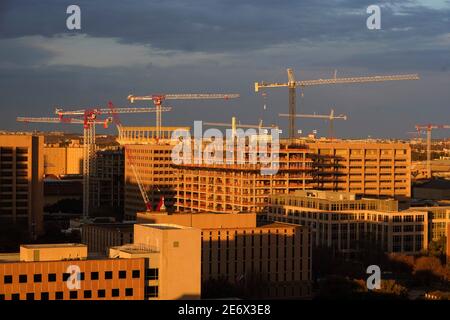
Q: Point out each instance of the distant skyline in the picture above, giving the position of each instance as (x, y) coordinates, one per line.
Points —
(145, 47)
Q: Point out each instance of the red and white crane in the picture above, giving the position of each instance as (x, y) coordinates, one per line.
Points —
(159, 98)
(89, 118)
(429, 128)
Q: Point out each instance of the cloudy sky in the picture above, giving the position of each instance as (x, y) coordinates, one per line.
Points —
(165, 46)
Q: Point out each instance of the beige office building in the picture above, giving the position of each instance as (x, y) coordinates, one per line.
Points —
(63, 158)
(21, 181)
(276, 257)
(362, 167)
(342, 220)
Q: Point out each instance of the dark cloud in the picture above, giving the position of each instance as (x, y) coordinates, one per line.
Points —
(217, 25)
(262, 38)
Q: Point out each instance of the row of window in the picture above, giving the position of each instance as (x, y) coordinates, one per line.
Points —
(108, 275)
(59, 295)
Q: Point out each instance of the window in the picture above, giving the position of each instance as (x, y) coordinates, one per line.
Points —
(2, 297)
(7, 279)
(87, 294)
(115, 292)
(65, 276)
(59, 295)
(101, 293)
(136, 274)
(30, 296)
(152, 274)
(108, 275)
(81, 276)
(176, 244)
(51, 277)
(122, 274)
(151, 291)
(129, 292)
(37, 278)
(44, 296)
(15, 296)
(23, 278)
(73, 294)
(94, 275)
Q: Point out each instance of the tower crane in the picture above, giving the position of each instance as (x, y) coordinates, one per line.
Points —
(331, 117)
(292, 84)
(159, 98)
(235, 125)
(429, 128)
(89, 118)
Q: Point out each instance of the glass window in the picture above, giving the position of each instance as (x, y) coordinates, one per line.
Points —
(94, 275)
(136, 274)
(44, 295)
(108, 275)
(115, 292)
(23, 278)
(129, 292)
(51, 277)
(101, 293)
(73, 294)
(122, 274)
(87, 294)
(59, 295)
(37, 278)
(7, 279)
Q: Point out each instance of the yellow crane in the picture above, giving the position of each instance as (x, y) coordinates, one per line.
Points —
(292, 84)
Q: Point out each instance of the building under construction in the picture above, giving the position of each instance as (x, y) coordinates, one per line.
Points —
(153, 164)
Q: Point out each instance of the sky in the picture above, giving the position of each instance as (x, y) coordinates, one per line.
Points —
(213, 46)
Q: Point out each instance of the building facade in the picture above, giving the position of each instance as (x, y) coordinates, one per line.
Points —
(152, 161)
(362, 167)
(21, 181)
(234, 187)
(274, 257)
(100, 237)
(63, 158)
(343, 221)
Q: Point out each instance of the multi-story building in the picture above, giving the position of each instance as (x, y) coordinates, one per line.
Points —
(236, 248)
(63, 158)
(99, 237)
(50, 272)
(362, 167)
(235, 187)
(163, 263)
(342, 220)
(107, 183)
(21, 181)
(152, 160)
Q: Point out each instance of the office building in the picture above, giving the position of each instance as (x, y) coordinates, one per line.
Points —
(100, 237)
(162, 263)
(63, 158)
(21, 181)
(362, 167)
(236, 248)
(341, 220)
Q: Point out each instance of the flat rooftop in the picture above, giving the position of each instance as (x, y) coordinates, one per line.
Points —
(164, 226)
(53, 245)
